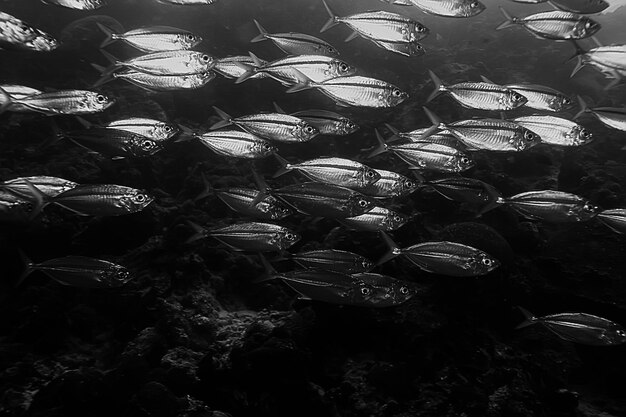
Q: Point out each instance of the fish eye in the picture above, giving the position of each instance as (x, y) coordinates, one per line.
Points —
(404, 290)
(140, 198)
(100, 98)
(290, 236)
(190, 37)
(267, 146)
(529, 136)
(474, 4)
(487, 262)
(370, 174)
(587, 25)
(567, 101)
(343, 67)
(309, 129)
(408, 184)
(585, 134)
(206, 58)
(465, 160)
(168, 128)
(147, 144)
(397, 92)
(362, 203)
(397, 219)
(588, 207)
(365, 291)
(421, 29)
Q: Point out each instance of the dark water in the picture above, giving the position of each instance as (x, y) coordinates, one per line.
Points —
(192, 335)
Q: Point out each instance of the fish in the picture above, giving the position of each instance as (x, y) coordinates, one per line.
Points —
(153, 38)
(319, 199)
(441, 137)
(231, 66)
(389, 185)
(614, 219)
(73, 102)
(293, 43)
(273, 126)
(237, 144)
(388, 291)
(240, 199)
(249, 236)
(609, 116)
(581, 6)
(154, 129)
(328, 122)
(448, 8)
(17, 34)
(609, 60)
(582, 328)
(479, 95)
(426, 156)
(152, 82)
(473, 192)
(101, 200)
(337, 171)
(17, 92)
(77, 4)
(333, 260)
(398, 2)
(408, 49)
(356, 91)
(113, 142)
(80, 272)
(542, 98)
(187, 2)
(530, 1)
(552, 206)
(486, 134)
(554, 25)
(289, 70)
(556, 130)
(15, 208)
(443, 258)
(49, 186)
(375, 220)
(379, 26)
(166, 62)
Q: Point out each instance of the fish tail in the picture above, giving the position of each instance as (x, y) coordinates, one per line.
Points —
(29, 267)
(270, 272)
(262, 33)
(332, 20)
(226, 119)
(278, 108)
(304, 83)
(578, 52)
(583, 107)
(264, 189)
(106, 75)
(382, 145)
(395, 133)
(435, 120)
(110, 36)
(111, 58)
(439, 87)
(285, 166)
(7, 100)
(530, 318)
(185, 134)
(616, 80)
(510, 20)
(207, 189)
(393, 249)
(250, 69)
(199, 232)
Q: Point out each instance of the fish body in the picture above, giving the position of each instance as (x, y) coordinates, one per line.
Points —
(237, 144)
(479, 95)
(333, 260)
(361, 91)
(114, 142)
(241, 200)
(442, 137)
(153, 38)
(153, 129)
(449, 8)
(403, 48)
(289, 70)
(470, 191)
(187, 2)
(610, 60)
(552, 206)
(166, 82)
(432, 157)
(60, 102)
(493, 135)
(234, 67)
(103, 200)
(15, 208)
(580, 328)
(255, 237)
(554, 25)
(49, 186)
(170, 63)
(82, 272)
(609, 116)
(375, 220)
(389, 185)
(15, 33)
(77, 4)
(542, 98)
(556, 130)
(337, 171)
(17, 92)
(293, 43)
(388, 291)
(615, 219)
(328, 122)
(581, 6)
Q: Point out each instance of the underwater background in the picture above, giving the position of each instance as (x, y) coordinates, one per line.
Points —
(192, 335)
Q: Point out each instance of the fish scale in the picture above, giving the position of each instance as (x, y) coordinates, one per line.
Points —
(491, 134)
(166, 82)
(255, 236)
(555, 130)
(103, 199)
(432, 156)
(390, 184)
(274, 126)
(241, 200)
(552, 206)
(362, 91)
(338, 171)
(542, 98)
(236, 144)
(377, 219)
(382, 26)
(449, 8)
(327, 122)
(151, 128)
(558, 25)
(481, 95)
(317, 68)
(155, 38)
(171, 63)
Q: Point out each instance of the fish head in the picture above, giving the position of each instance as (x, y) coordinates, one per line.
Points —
(114, 275)
(328, 50)
(346, 126)
(264, 148)
(586, 211)
(93, 4)
(206, 76)
(512, 99)
(561, 102)
(615, 335)
(135, 200)
(144, 146)
(580, 135)
(469, 8)
(96, 102)
(305, 131)
(393, 97)
(164, 131)
(403, 291)
(204, 60)
(404, 186)
(358, 204)
(417, 32)
(483, 263)
(525, 139)
(394, 220)
(188, 40)
(340, 68)
(365, 265)
(287, 238)
(463, 162)
(367, 176)
(585, 27)
(43, 42)
(276, 209)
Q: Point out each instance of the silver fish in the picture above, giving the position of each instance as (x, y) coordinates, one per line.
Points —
(241, 200)
(14, 208)
(77, 4)
(49, 186)
(444, 258)
(376, 220)
(250, 236)
(114, 142)
(187, 2)
(167, 62)
(337, 171)
(442, 137)
(153, 129)
(615, 219)
(581, 6)
(403, 48)
(333, 260)
(81, 272)
(487, 134)
(610, 60)
(542, 98)
(273, 126)
(552, 206)
(102, 200)
(153, 38)
(398, 2)
(288, 71)
(237, 144)
(328, 122)
(580, 328)
(235, 66)
(479, 95)
(390, 185)
(450, 8)
(293, 43)
(165, 82)
(17, 92)
(59, 102)
(609, 116)
(388, 291)
(555, 25)
(475, 193)
(556, 130)
(356, 91)
(379, 26)
(17, 34)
